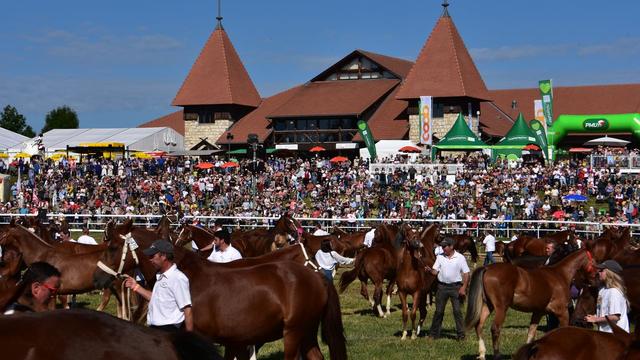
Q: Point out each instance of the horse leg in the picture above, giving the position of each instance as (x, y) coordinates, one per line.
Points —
(484, 315)
(105, 297)
(414, 308)
(533, 326)
(405, 313)
(423, 311)
(365, 292)
(310, 349)
(498, 320)
(389, 287)
(377, 298)
(292, 341)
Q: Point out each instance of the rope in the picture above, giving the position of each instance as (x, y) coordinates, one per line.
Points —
(306, 257)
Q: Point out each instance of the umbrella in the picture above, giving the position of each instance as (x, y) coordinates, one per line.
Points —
(338, 159)
(204, 165)
(409, 149)
(579, 150)
(317, 149)
(3, 155)
(21, 155)
(607, 141)
(141, 155)
(575, 197)
(57, 156)
(230, 164)
(531, 147)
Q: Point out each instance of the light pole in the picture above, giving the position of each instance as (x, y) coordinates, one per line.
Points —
(252, 139)
(229, 138)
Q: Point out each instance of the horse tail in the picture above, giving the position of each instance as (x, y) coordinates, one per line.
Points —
(473, 250)
(476, 299)
(348, 277)
(332, 329)
(527, 351)
(189, 345)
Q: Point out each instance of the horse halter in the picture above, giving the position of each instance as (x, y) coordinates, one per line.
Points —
(590, 268)
(129, 245)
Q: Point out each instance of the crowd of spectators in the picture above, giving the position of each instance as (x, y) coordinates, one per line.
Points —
(314, 187)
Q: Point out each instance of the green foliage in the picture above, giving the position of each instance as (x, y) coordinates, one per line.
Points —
(62, 117)
(12, 120)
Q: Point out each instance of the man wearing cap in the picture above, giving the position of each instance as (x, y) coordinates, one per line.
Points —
(223, 252)
(170, 300)
(612, 302)
(453, 276)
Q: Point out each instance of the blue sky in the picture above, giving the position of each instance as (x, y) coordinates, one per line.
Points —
(120, 63)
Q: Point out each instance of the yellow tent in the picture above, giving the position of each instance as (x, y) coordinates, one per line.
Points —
(21, 155)
(59, 155)
(4, 155)
(141, 155)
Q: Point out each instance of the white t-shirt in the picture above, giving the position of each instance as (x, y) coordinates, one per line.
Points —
(450, 269)
(490, 242)
(169, 297)
(611, 302)
(87, 240)
(230, 254)
(328, 260)
(320, 232)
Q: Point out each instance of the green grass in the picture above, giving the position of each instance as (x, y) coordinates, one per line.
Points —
(370, 337)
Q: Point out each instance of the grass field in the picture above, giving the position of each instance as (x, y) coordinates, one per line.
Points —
(370, 337)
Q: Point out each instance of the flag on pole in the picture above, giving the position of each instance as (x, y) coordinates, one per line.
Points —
(546, 92)
(426, 122)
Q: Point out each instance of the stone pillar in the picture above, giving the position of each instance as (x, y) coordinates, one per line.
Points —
(195, 131)
(414, 128)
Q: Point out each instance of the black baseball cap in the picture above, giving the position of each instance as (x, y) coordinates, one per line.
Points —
(446, 242)
(610, 265)
(159, 246)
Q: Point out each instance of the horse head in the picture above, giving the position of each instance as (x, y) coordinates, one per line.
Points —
(113, 260)
(163, 229)
(185, 235)
(287, 229)
(585, 305)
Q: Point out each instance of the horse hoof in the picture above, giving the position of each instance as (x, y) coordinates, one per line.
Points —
(414, 336)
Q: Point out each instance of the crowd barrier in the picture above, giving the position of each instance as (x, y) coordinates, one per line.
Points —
(503, 228)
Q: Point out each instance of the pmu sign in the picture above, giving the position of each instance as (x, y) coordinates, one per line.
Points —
(595, 124)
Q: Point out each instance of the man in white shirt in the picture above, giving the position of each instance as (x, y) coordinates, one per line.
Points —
(490, 246)
(170, 300)
(85, 238)
(223, 251)
(453, 276)
(319, 231)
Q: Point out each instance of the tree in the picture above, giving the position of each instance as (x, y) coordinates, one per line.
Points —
(62, 117)
(11, 119)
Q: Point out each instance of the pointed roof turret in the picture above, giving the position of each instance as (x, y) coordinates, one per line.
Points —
(444, 67)
(218, 76)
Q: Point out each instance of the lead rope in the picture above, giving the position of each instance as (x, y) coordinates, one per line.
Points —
(306, 257)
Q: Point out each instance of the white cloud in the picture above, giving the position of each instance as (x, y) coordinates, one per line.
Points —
(619, 47)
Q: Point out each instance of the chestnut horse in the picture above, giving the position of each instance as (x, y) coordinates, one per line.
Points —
(9, 276)
(462, 243)
(530, 245)
(610, 244)
(83, 334)
(538, 291)
(269, 301)
(571, 343)
(260, 241)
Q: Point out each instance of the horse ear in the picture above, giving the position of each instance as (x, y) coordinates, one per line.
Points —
(626, 338)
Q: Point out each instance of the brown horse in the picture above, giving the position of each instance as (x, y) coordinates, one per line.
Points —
(538, 291)
(413, 280)
(82, 334)
(571, 343)
(530, 245)
(260, 241)
(9, 276)
(463, 243)
(610, 244)
(270, 301)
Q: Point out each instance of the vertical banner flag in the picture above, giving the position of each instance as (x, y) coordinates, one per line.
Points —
(426, 122)
(540, 135)
(546, 91)
(367, 136)
(538, 113)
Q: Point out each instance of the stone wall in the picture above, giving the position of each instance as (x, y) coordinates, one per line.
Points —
(194, 132)
(440, 126)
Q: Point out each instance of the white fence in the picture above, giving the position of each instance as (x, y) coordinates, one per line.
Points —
(503, 228)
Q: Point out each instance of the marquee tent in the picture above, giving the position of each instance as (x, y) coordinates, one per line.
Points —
(519, 136)
(9, 139)
(133, 139)
(459, 138)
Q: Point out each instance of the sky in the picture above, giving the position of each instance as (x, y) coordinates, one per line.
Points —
(120, 63)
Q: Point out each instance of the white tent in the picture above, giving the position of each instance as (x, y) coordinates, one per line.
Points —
(386, 148)
(9, 139)
(134, 139)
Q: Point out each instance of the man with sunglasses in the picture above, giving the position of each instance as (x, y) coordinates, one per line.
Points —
(170, 300)
(37, 287)
(452, 271)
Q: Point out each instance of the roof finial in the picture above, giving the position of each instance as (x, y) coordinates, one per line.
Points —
(445, 5)
(219, 17)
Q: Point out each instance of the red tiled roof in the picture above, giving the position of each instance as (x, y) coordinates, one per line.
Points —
(576, 100)
(174, 120)
(256, 122)
(217, 77)
(400, 67)
(444, 67)
(331, 98)
(389, 122)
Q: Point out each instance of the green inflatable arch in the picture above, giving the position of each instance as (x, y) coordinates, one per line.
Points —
(603, 123)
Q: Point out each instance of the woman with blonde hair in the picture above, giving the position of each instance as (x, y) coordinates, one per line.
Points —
(612, 300)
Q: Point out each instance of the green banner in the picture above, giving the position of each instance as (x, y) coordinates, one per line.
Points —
(367, 136)
(546, 92)
(541, 137)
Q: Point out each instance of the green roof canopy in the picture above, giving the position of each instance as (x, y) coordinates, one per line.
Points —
(460, 137)
(237, 152)
(519, 136)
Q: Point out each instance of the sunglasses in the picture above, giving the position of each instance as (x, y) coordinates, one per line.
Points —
(52, 290)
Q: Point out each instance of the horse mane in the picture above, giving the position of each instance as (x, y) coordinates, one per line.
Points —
(24, 229)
